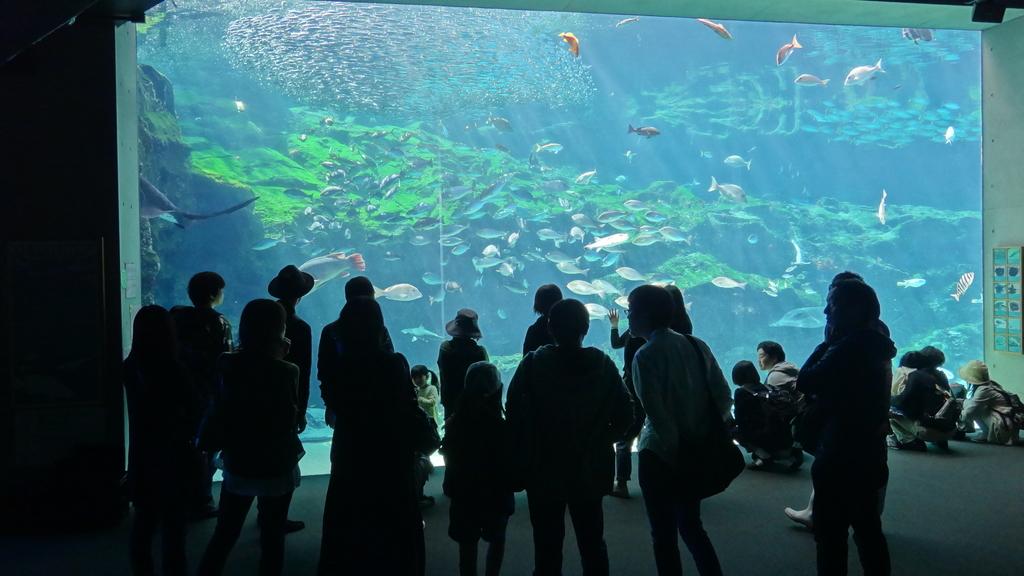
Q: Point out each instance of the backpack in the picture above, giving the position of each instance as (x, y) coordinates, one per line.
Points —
(781, 404)
(1016, 416)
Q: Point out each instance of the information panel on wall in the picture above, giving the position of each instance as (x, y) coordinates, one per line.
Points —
(1006, 299)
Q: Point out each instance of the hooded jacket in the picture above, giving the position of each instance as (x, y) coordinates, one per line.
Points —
(565, 408)
(850, 380)
(782, 376)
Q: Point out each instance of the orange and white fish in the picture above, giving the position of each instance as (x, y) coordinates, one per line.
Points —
(718, 28)
(331, 266)
(962, 285)
(881, 207)
(573, 42)
(786, 50)
(810, 80)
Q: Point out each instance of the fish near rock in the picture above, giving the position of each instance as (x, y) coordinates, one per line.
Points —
(586, 177)
(730, 191)
(727, 283)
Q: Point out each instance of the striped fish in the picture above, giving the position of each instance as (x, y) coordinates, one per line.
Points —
(962, 285)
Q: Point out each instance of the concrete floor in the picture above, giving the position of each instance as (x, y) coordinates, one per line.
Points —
(960, 514)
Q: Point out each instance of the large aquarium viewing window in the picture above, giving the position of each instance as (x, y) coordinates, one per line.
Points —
(464, 157)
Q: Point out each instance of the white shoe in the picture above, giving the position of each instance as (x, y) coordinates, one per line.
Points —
(802, 517)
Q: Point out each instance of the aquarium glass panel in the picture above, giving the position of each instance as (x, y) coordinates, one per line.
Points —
(464, 157)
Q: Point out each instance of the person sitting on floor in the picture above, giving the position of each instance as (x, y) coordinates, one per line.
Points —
(759, 430)
(781, 374)
(923, 412)
(989, 406)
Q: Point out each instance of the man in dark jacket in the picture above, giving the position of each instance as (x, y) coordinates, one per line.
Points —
(203, 335)
(849, 376)
(566, 407)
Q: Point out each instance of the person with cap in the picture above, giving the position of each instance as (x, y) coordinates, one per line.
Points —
(289, 286)
(457, 354)
(989, 405)
(475, 452)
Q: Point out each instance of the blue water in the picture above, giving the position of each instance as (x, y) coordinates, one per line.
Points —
(820, 158)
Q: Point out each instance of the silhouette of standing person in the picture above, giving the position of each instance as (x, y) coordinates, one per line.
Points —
(678, 381)
(289, 286)
(537, 334)
(849, 374)
(330, 347)
(160, 401)
(566, 407)
(475, 450)
(203, 335)
(456, 355)
(624, 448)
(254, 422)
(372, 522)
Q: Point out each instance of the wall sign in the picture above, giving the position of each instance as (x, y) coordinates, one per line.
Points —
(1006, 300)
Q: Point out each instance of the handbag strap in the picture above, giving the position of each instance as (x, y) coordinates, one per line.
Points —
(716, 416)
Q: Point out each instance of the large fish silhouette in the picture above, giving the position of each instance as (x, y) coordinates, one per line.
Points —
(154, 204)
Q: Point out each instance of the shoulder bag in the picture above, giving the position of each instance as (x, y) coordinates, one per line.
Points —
(719, 460)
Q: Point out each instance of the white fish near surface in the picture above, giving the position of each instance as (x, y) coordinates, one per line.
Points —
(596, 311)
(610, 241)
(862, 74)
(949, 135)
(881, 206)
(586, 177)
(736, 161)
(623, 301)
(584, 288)
(726, 282)
(492, 250)
(239, 106)
(810, 80)
(731, 191)
(570, 268)
(962, 285)
(400, 293)
(911, 283)
(625, 21)
(627, 273)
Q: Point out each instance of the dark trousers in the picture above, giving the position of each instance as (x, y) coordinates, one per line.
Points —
(838, 506)
(169, 517)
(547, 515)
(273, 512)
(201, 480)
(669, 510)
(624, 449)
